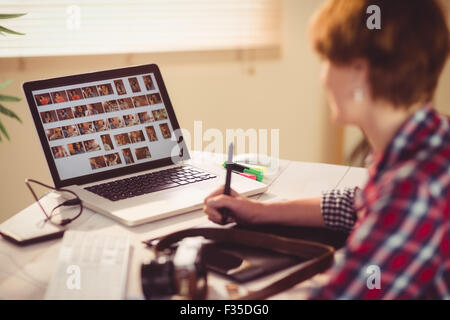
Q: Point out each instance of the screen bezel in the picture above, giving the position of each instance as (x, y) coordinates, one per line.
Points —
(31, 86)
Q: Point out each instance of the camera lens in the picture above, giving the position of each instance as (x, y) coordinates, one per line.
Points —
(158, 280)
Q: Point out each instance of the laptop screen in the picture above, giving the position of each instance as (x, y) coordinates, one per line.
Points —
(106, 124)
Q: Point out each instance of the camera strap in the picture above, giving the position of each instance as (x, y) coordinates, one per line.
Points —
(319, 256)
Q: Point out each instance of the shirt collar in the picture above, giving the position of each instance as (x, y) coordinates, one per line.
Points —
(409, 138)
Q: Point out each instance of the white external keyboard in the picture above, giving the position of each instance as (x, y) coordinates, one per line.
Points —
(90, 266)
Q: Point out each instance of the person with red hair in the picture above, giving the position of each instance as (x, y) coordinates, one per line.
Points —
(382, 81)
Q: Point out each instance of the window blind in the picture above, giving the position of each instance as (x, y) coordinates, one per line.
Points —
(60, 27)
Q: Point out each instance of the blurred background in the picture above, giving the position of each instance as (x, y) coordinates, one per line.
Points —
(228, 63)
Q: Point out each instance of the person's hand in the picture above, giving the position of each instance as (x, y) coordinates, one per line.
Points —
(243, 210)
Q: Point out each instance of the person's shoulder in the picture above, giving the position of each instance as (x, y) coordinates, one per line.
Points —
(426, 174)
(434, 158)
(417, 186)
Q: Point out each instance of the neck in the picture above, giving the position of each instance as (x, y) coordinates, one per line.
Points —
(382, 123)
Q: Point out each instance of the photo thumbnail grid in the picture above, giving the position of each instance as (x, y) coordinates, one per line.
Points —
(145, 110)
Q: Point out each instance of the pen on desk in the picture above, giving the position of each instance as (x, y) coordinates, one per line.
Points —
(259, 174)
(227, 190)
(236, 167)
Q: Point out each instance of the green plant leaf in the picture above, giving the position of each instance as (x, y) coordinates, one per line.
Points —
(9, 113)
(4, 84)
(10, 16)
(9, 98)
(6, 30)
(2, 129)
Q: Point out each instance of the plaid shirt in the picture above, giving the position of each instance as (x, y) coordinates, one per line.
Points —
(400, 222)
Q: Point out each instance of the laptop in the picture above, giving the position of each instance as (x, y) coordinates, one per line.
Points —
(112, 137)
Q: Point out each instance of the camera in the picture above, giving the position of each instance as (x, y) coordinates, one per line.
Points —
(177, 273)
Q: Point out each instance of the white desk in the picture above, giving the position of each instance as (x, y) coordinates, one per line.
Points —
(26, 271)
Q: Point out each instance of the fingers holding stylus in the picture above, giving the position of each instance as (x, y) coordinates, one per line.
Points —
(242, 210)
(215, 203)
(215, 216)
(219, 191)
(217, 200)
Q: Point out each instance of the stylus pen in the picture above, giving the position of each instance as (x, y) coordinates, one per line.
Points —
(227, 190)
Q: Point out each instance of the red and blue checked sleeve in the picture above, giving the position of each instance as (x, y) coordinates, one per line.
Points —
(337, 208)
(404, 236)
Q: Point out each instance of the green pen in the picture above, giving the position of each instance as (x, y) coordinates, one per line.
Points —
(258, 173)
(241, 168)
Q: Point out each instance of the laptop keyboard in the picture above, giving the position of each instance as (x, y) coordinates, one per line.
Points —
(150, 182)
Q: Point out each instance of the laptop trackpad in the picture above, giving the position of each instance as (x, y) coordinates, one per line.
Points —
(179, 198)
(165, 202)
(184, 195)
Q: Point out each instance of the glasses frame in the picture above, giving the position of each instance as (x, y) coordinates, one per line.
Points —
(72, 202)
